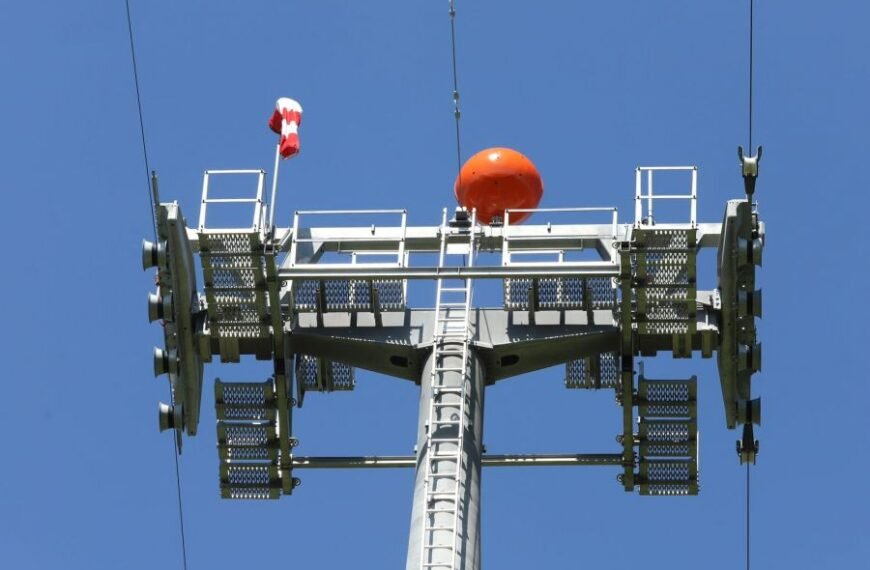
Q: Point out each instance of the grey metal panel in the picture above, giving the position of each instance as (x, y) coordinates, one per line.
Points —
(667, 438)
(322, 375)
(180, 278)
(664, 288)
(565, 293)
(507, 349)
(348, 295)
(235, 287)
(667, 398)
(250, 481)
(245, 400)
(737, 329)
(518, 349)
(599, 370)
(398, 360)
(249, 443)
(668, 477)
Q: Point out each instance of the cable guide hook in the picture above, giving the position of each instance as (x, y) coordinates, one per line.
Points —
(749, 165)
(748, 412)
(747, 446)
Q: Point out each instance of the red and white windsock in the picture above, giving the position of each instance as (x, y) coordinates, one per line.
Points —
(285, 121)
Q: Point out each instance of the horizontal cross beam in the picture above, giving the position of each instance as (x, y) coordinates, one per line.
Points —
(510, 460)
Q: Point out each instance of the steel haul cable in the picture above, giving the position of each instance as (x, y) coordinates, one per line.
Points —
(751, 73)
(747, 516)
(456, 112)
(751, 70)
(141, 119)
(151, 186)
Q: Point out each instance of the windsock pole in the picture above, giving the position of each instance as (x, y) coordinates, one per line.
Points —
(274, 185)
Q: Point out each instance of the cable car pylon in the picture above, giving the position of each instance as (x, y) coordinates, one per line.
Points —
(320, 301)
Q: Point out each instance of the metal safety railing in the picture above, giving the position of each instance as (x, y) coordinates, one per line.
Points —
(299, 239)
(644, 196)
(555, 233)
(260, 207)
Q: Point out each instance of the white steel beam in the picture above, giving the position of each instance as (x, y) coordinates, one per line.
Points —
(494, 460)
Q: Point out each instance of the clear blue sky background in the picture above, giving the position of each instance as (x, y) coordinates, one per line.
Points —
(588, 90)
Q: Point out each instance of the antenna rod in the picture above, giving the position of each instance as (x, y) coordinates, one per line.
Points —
(274, 185)
(155, 193)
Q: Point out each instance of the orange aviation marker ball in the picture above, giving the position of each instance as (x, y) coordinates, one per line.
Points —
(496, 179)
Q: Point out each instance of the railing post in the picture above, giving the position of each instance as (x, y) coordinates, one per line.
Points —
(649, 189)
(638, 207)
(203, 201)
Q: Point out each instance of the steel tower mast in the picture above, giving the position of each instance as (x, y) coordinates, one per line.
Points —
(319, 302)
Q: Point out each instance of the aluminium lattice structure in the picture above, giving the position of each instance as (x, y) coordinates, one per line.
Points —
(319, 302)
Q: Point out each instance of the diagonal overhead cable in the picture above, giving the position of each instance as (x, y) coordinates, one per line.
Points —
(456, 112)
(151, 186)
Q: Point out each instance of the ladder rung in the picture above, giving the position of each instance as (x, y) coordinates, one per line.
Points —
(440, 510)
(455, 454)
(439, 527)
(441, 496)
(442, 457)
(444, 439)
(446, 390)
(445, 422)
(449, 369)
(454, 289)
(445, 455)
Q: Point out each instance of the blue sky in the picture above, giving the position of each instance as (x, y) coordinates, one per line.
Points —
(586, 90)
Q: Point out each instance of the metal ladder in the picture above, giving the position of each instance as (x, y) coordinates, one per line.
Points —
(445, 431)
